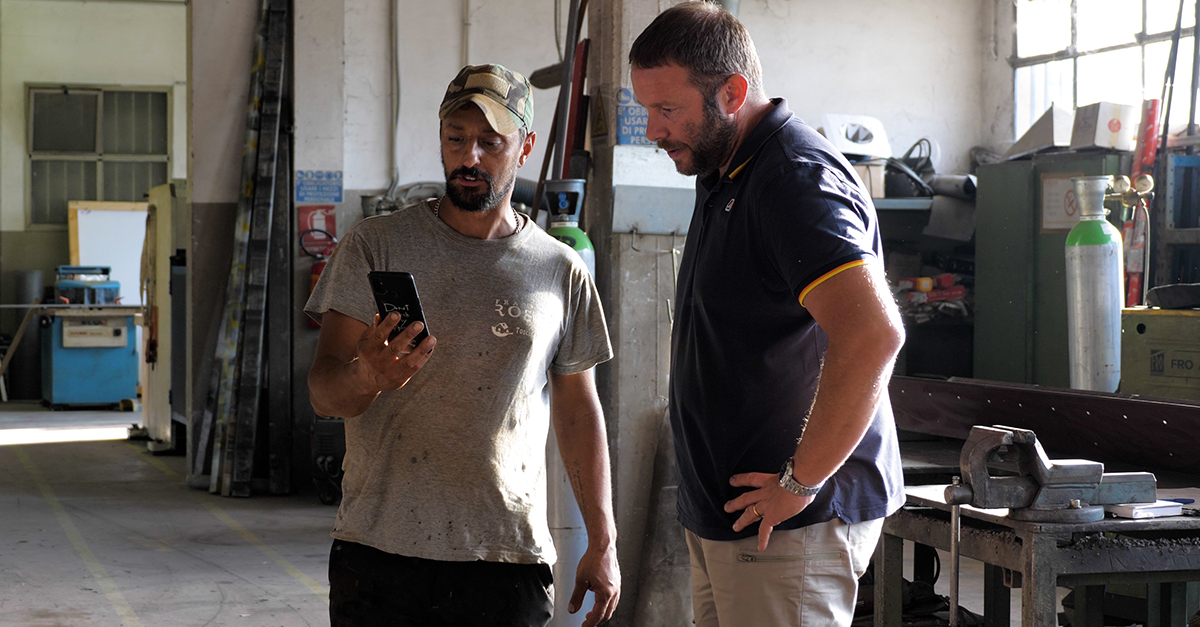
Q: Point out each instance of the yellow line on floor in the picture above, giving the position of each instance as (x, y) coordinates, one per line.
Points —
(128, 618)
(307, 581)
(274, 556)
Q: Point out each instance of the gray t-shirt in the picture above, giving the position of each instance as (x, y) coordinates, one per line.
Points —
(452, 466)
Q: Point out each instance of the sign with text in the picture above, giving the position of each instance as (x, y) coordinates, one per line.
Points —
(318, 186)
(631, 120)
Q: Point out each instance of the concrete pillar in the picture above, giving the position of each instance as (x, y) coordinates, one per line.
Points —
(319, 89)
(635, 201)
(220, 41)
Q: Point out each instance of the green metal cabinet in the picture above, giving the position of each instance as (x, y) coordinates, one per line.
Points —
(1020, 268)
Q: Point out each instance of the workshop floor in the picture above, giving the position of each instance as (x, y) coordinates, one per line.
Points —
(98, 532)
(101, 533)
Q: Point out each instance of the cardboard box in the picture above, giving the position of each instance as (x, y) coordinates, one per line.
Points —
(1160, 352)
(1105, 125)
(872, 177)
(1052, 130)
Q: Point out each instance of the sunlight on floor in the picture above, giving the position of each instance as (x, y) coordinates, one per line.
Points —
(68, 434)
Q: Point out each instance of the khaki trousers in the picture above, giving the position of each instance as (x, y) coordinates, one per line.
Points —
(807, 577)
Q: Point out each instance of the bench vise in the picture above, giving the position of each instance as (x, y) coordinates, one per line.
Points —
(1042, 490)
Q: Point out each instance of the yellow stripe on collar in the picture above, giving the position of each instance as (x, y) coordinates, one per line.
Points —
(738, 170)
(829, 275)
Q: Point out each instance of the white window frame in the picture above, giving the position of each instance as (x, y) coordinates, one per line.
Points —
(1072, 53)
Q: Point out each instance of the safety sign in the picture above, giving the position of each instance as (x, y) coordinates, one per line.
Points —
(318, 186)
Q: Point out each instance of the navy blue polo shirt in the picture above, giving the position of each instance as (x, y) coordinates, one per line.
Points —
(745, 354)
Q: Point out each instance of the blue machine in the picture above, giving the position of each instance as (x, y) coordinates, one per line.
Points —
(89, 350)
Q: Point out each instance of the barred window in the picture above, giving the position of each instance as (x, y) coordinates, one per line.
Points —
(88, 143)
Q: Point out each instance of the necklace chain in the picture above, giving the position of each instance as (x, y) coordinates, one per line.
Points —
(520, 223)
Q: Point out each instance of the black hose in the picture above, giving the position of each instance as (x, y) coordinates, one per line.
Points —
(524, 191)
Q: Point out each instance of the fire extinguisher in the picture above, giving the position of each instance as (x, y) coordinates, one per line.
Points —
(320, 257)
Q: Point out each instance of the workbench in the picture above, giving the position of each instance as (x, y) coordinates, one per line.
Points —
(1163, 553)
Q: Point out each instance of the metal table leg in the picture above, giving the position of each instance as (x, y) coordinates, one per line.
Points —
(1039, 593)
(996, 598)
(1167, 604)
(1089, 606)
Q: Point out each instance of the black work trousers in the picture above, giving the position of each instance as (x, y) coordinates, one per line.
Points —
(369, 587)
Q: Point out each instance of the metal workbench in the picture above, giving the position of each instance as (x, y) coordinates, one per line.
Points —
(1163, 553)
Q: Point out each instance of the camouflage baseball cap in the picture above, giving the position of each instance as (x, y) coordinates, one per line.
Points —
(504, 95)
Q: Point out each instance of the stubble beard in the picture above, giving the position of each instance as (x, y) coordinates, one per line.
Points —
(710, 143)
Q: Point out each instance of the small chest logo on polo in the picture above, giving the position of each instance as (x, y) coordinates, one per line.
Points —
(730, 205)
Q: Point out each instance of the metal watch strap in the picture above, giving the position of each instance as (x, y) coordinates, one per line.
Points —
(789, 483)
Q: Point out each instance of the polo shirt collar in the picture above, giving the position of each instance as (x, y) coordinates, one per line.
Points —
(774, 120)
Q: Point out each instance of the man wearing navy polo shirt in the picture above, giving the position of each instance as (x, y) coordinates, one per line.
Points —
(784, 327)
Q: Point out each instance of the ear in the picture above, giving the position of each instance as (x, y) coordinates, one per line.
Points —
(527, 148)
(733, 94)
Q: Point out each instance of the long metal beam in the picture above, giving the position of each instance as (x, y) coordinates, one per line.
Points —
(1149, 433)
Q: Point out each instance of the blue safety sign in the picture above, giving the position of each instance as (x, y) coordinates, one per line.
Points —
(631, 120)
(318, 186)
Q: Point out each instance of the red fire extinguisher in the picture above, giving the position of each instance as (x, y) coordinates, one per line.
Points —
(322, 249)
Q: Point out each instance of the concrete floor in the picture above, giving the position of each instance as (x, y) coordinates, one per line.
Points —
(102, 533)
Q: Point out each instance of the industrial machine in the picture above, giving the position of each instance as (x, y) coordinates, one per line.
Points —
(89, 354)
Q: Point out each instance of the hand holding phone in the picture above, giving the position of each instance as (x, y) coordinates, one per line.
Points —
(397, 292)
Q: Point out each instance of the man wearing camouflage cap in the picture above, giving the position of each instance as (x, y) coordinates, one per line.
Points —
(443, 514)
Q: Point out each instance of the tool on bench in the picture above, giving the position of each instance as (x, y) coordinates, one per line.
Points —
(1042, 490)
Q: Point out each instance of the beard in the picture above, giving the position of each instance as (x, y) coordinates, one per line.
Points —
(710, 143)
(477, 200)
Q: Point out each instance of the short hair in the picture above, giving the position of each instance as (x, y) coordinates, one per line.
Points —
(703, 38)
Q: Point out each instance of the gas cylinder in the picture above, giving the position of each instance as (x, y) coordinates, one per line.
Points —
(570, 234)
(1095, 280)
(564, 198)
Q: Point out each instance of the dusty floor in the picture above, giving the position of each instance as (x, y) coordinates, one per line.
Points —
(103, 533)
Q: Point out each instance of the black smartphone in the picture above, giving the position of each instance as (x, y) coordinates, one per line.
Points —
(397, 291)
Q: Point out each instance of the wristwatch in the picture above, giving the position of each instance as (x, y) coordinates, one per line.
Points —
(789, 483)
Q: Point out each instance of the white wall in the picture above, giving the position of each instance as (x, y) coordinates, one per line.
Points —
(915, 65)
(918, 66)
(81, 42)
(999, 21)
(518, 34)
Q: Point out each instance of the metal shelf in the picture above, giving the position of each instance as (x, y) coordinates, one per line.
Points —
(902, 204)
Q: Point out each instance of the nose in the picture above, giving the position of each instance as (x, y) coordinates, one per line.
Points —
(656, 129)
(472, 154)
